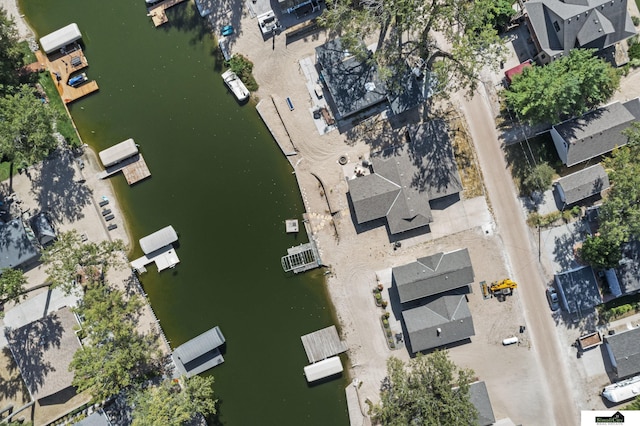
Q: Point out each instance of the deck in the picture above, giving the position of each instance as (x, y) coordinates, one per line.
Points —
(164, 258)
(158, 12)
(134, 169)
(323, 344)
(61, 67)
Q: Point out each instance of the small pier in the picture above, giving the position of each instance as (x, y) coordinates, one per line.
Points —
(158, 12)
(301, 258)
(61, 67)
(323, 344)
(291, 225)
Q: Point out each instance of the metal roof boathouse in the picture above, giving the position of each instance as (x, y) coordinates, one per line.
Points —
(125, 157)
(60, 38)
(158, 248)
(200, 353)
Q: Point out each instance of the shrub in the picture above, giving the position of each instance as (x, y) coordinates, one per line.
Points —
(243, 68)
(634, 50)
(635, 20)
(385, 323)
(539, 178)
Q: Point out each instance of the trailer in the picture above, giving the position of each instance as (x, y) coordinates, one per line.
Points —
(589, 340)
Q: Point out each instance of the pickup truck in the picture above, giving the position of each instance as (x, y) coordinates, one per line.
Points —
(589, 340)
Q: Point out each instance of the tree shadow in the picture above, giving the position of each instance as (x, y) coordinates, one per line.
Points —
(11, 386)
(58, 190)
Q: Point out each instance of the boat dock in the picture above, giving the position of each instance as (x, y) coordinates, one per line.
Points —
(134, 169)
(199, 354)
(158, 14)
(61, 67)
(158, 248)
(322, 344)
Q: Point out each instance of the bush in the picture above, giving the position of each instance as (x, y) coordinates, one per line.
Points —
(634, 51)
(385, 323)
(243, 68)
(635, 20)
(539, 178)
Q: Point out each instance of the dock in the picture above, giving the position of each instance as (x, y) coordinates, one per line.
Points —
(323, 344)
(158, 12)
(199, 354)
(158, 248)
(301, 258)
(61, 67)
(134, 169)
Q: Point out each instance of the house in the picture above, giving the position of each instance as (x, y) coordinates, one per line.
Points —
(441, 322)
(624, 352)
(578, 289)
(404, 179)
(43, 229)
(625, 278)
(557, 26)
(595, 133)
(479, 397)
(581, 185)
(43, 350)
(432, 275)
(18, 247)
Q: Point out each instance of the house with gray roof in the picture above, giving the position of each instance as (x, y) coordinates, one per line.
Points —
(595, 133)
(405, 178)
(557, 26)
(43, 350)
(625, 278)
(432, 275)
(17, 245)
(581, 185)
(200, 353)
(479, 397)
(578, 290)
(441, 322)
(624, 351)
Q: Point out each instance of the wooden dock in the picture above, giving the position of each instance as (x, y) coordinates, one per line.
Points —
(61, 67)
(323, 344)
(158, 12)
(134, 169)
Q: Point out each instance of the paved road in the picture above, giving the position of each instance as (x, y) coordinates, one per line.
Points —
(523, 258)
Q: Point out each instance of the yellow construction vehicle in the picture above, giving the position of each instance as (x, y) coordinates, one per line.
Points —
(503, 287)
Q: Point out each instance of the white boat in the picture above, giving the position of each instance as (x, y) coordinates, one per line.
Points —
(235, 85)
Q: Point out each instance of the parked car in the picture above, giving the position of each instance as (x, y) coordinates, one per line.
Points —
(552, 298)
(227, 30)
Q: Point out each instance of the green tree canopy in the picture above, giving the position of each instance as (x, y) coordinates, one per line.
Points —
(12, 283)
(169, 405)
(11, 56)
(539, 178)
(565, 88)
(454, 38)
(619, 215)
(114, 355)
(69, 254)
(26, 133)
(431, 390)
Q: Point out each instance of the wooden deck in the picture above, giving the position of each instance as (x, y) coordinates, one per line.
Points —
(61, 67)
(323, 344)
(158, 13)
(134, 169)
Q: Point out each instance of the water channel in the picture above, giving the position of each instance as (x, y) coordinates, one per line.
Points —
(220, 180)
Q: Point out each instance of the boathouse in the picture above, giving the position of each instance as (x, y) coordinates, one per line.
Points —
(200, 353)
(117, 153)
(323, 369)
(158, 248)
(60, 38)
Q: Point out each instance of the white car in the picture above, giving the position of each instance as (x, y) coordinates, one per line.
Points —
(552, 298)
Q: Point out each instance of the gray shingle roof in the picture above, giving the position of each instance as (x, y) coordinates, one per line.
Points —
(200, 353)
(16, 245)
(628, 270)
(354, 85)
(43, 351)
(596, 132)
(405, 178)
(583, 184)
(625, 348)
(587, 24)
(479, 397)
(440, 322)
(431, 275)
(578, 289)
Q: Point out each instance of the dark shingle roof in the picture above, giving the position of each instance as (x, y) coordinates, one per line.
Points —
(16, 245)
(43, 351)
(625, 348)
(583, 184)
(441, 322)
(354, 84)
(581, 23)
(405, 178)
(479, 397)
(628, 270)
(578, 289)
(596, 132)
(431, 275)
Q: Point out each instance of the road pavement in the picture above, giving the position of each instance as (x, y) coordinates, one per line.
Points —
(523, 258)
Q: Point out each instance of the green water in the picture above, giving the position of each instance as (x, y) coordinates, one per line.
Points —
(221, 181)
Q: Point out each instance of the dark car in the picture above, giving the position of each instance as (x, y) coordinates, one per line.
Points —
(552, 298)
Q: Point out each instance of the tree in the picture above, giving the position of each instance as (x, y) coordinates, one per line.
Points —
(69, 254)
(12, 283)
(11, 56)
(565, 88)
(26, 133)
(539, 178)
(600, 252)
(115, 355)
(634, 405)
(431, 391)
(454, 38)
(168, 405)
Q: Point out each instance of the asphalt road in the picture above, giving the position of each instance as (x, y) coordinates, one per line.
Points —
(523, 258)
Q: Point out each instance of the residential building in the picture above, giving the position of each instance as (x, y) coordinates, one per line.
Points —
(624, 352)
(578, 290)
(479, 397)
(583, 184)
(18, 246)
